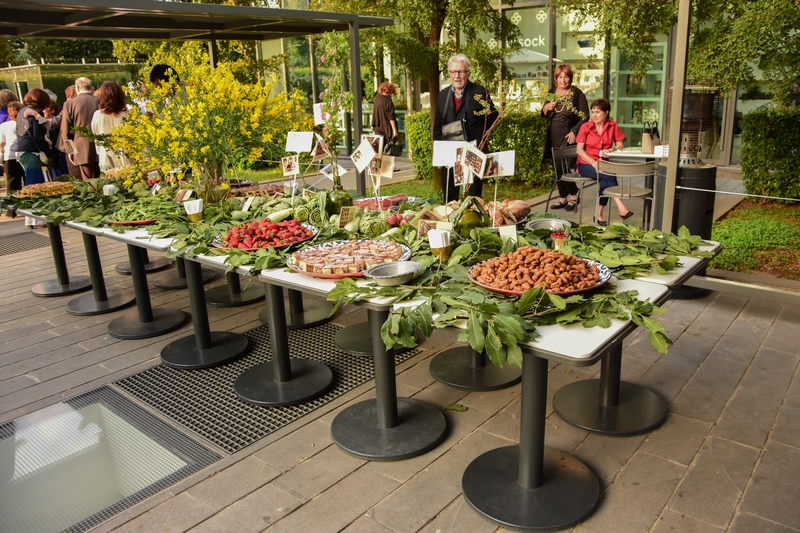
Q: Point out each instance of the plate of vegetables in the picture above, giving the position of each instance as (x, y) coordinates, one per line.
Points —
(265, 234)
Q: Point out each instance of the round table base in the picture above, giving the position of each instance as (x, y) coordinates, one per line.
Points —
(639, 408)
(130, 327)
(684, 292)
(420, 428)
(315, 312)
(172, 280)
(568, 495)
(356, 340)
(452, 367)
(154, 265)
(52, 287)
(257, 384)
(184, 353)
(222, 297)
(87, 305)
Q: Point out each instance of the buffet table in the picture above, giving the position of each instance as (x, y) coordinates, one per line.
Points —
(613, 407)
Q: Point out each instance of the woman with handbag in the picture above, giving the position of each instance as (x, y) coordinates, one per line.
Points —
(566, 111)
(384, 122)
(32, 141)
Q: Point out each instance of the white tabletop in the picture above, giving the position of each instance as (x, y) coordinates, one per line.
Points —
(632, 153)
(688, 268)
(137, 237)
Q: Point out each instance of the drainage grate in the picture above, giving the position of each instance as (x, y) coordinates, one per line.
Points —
(22, 242)
(74, 465)
(204, 400)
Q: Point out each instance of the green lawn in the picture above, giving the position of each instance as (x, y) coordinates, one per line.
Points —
(761, 238)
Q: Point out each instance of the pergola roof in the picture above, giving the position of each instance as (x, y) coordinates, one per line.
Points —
(165, 21)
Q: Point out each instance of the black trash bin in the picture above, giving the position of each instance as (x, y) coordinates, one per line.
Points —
(693, 209)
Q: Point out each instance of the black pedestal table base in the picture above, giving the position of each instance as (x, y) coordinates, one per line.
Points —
(259, 385)
(130, 327)
(205, 348)
(185, 353)
(356, 431)
(356, 339)
(150, 265)
(64, 284)
(89, 305)
(529, 487)
(639, 409)
(52, 287)
(176, 279)
(464, 368)
(147, 322)
(387, 428)
(302, 314)
(569, 493)
(283, 381)
(232, 295)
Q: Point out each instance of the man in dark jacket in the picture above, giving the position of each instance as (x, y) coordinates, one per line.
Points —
(79, 111)
(457, 103)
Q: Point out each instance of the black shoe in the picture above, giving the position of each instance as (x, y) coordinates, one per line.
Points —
(601, 223)
(559, 205)
(627, 215)
(571, 205)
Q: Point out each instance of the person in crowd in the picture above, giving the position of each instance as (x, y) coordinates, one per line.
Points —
(596, 139)
(8, 144)
(110, 114)
(162, 73)
(457, 103)
(565, 115)
(79, 111)
(32, 140)
(384, 122)
(6, 97)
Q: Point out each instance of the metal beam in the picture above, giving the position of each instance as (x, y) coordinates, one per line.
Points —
(355, 77)
(676, 117)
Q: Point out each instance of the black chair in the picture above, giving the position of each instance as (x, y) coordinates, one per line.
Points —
(564, 162)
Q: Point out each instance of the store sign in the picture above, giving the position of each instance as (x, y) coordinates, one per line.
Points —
(534, 42)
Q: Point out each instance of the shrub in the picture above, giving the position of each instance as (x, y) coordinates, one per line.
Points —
(420, 143)
(770, 152)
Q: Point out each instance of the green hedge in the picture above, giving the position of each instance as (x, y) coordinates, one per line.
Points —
(771, 152)
(523, 132)
(420, 142)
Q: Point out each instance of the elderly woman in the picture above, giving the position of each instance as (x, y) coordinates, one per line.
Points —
(383, 120)
(596, 139)
(112, 110)
(566, 113)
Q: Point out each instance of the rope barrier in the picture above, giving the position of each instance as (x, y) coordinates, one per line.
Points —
(739, 194)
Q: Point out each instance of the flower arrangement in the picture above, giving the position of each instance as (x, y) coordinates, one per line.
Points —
(213, 123)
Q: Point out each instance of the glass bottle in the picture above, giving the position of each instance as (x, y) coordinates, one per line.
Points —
(338, 197)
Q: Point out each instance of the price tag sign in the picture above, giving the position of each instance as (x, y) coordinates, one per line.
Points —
(299, 141)
(248, 202)
(155, 189)
(347, 215)
(308, 193)
(445, 226)
(183, 195)
(508, 232)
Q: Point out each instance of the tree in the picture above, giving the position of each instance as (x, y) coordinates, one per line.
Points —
(69, 50)
(414, 41)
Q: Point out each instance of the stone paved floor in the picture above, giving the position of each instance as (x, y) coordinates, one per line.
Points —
(726, 459)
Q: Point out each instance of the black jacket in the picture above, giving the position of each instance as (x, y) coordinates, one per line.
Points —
(474, 126)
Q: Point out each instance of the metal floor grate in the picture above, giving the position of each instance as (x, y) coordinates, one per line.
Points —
(205, 402)
(87, 459)
(22, 242)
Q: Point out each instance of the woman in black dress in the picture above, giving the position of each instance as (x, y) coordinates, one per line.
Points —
(565, 113)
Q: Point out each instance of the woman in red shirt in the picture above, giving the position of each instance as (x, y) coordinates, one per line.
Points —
(596, 139)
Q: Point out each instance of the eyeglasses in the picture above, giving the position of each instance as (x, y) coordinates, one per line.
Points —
(462, 72)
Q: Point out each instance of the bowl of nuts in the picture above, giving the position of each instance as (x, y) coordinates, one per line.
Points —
(396, 273)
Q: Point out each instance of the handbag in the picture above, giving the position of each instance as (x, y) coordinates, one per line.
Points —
(454, 131)
(393, 149)
(43, 157)
(650, 138)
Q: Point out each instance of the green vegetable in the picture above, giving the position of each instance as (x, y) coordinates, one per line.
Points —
(315, 216)
(301, 213)
(283, 214)
(239, 215)
(353, 225)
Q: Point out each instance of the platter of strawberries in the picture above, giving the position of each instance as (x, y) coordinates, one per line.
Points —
(265, 234)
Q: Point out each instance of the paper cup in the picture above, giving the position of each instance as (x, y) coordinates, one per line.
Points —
(440, 243)
(110, 189)
(194, 209)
